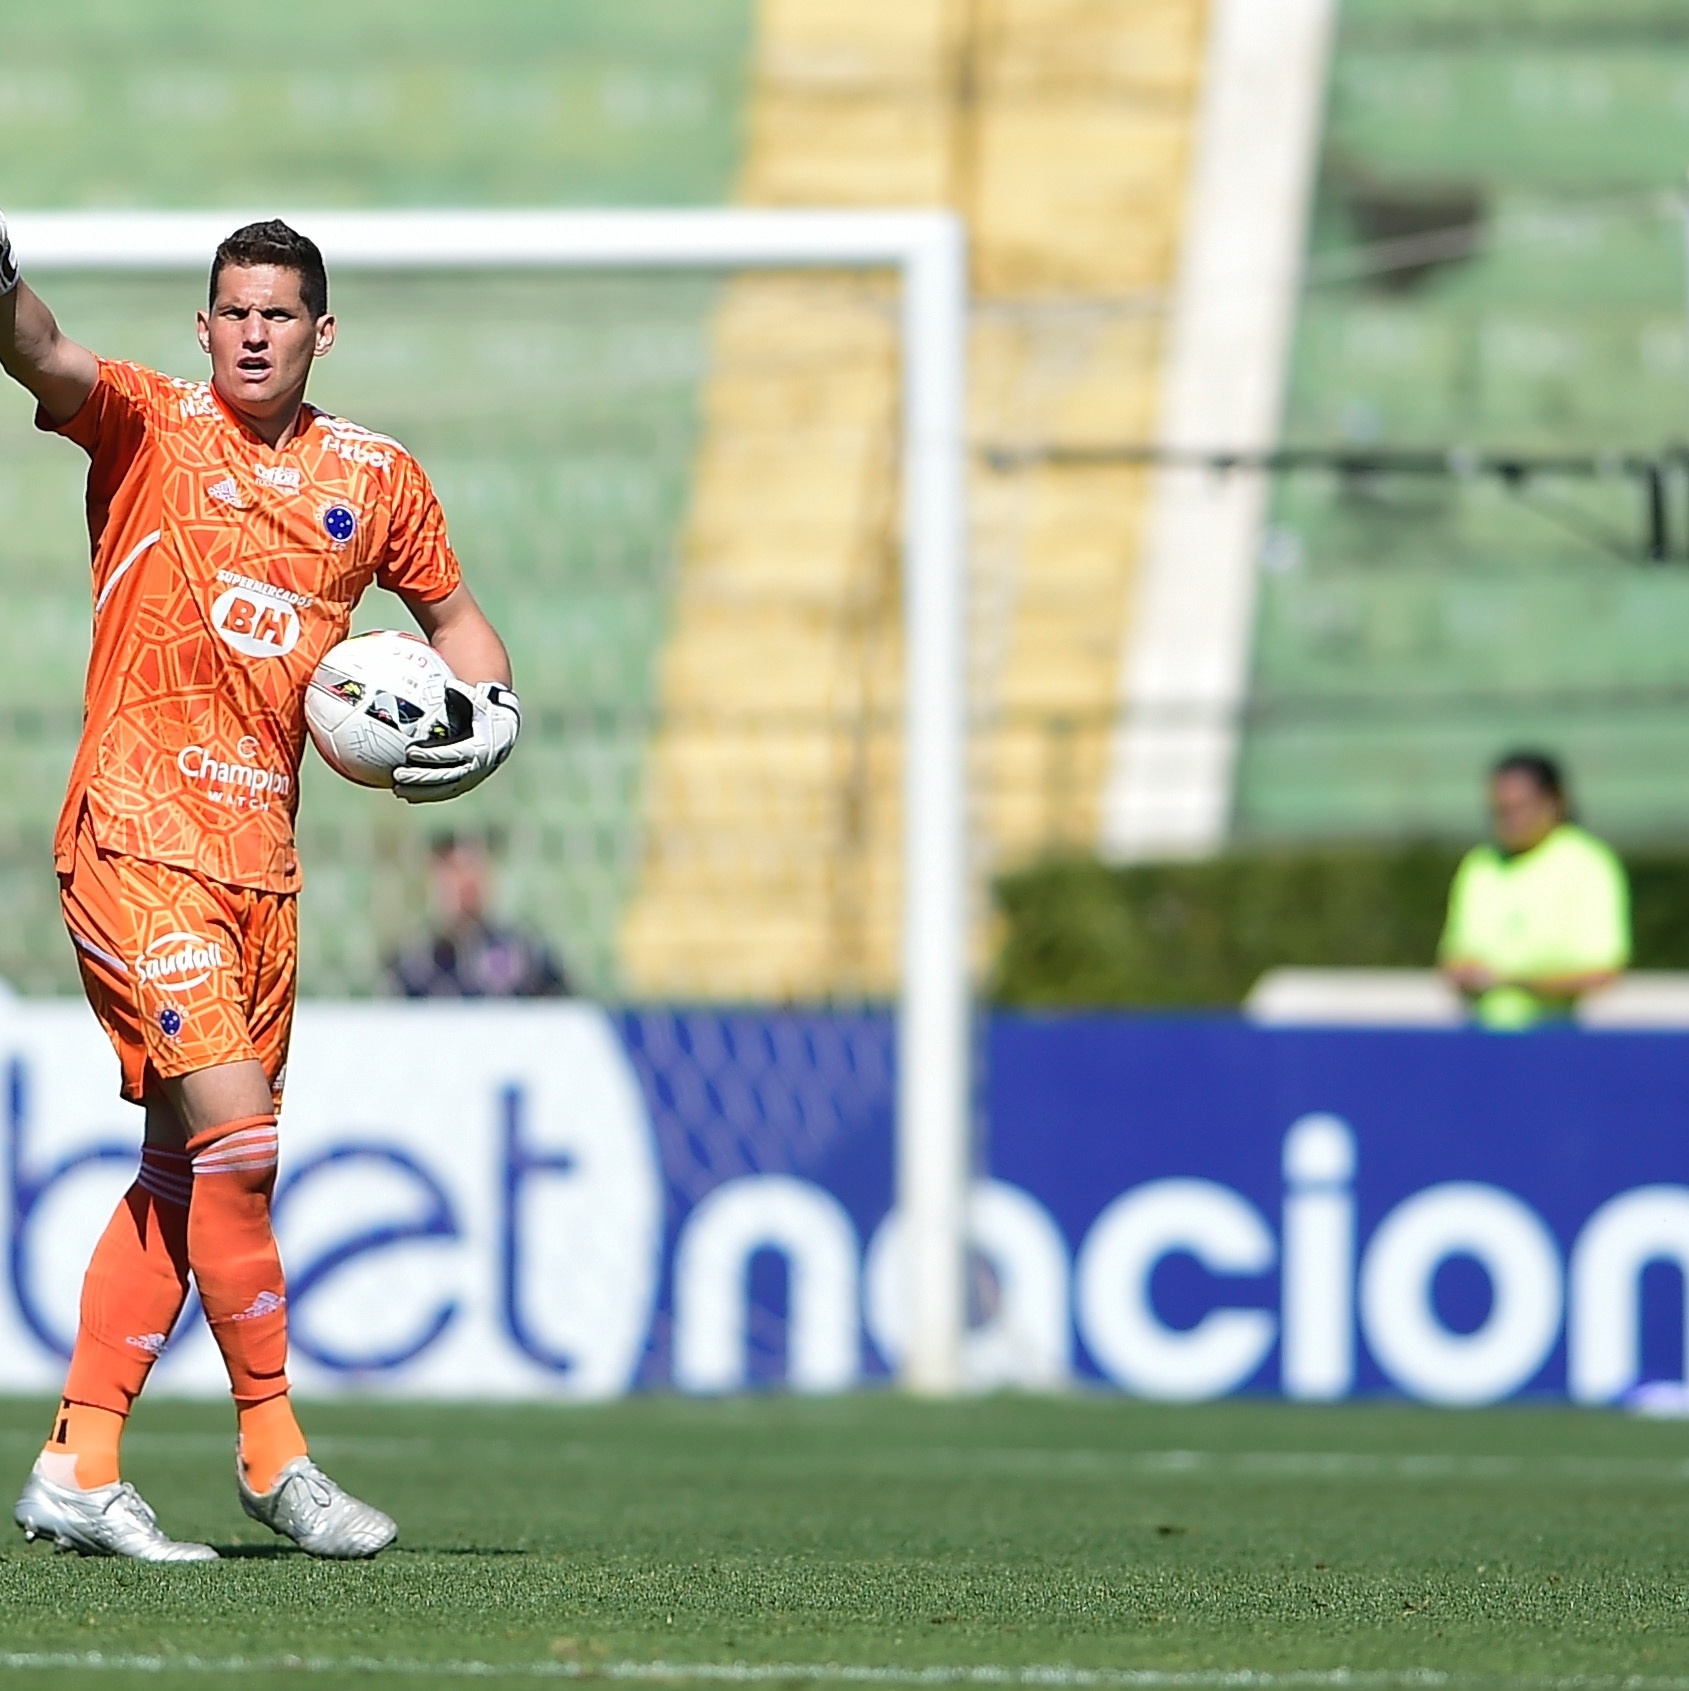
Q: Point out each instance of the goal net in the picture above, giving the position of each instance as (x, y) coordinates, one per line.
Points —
(704, 471)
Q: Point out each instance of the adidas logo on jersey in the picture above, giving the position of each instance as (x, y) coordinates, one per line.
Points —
(227, 491)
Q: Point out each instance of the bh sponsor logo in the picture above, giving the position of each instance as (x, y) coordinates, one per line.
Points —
(258, 620)
(179, 960)
(249, 785)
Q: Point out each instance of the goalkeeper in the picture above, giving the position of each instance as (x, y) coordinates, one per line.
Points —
(233, 529)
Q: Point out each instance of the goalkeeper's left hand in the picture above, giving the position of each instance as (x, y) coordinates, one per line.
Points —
(432, 773)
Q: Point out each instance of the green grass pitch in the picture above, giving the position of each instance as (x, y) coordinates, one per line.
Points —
(759, 1541)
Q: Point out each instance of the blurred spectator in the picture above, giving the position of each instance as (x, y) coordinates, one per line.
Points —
(469, 955)
(1543, 915)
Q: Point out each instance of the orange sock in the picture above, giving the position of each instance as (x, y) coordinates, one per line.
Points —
(85, 1441)
(136, 1284)
(269, 1439)
(232, 1252)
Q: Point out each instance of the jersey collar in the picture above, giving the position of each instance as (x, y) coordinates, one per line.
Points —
(308, 415)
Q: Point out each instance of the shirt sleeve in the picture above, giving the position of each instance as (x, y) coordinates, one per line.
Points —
(1602, 934)
(113, 424)
(419, 561)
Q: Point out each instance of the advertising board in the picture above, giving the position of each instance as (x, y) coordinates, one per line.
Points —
(488, 1201)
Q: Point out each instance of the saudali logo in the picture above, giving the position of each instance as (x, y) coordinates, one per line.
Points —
(180, 960)
(258, 620)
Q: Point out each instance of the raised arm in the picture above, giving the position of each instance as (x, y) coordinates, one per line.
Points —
(33, 352)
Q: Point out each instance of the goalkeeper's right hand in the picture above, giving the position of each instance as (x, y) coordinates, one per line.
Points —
(8, 260)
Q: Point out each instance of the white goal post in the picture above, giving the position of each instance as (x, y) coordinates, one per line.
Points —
(927, 251)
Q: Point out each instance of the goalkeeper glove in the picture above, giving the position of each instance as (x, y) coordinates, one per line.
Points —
(487, 717)
(8, 261)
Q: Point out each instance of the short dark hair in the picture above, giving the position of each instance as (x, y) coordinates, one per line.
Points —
(443, 842)
(1538, 767)
(274, 242)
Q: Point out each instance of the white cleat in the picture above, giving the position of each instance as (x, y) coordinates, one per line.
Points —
(323, 1520)
(109, 1520)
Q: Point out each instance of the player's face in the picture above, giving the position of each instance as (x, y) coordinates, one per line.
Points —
(261, 339)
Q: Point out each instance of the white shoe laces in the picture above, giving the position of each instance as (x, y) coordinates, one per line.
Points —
(130, 1502)
(321, 1488)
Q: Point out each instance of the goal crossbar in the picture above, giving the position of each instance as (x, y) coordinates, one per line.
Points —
(927, 251)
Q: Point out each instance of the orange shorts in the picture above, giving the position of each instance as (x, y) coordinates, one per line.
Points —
(183, 973)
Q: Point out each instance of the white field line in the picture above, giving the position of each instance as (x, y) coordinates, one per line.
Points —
(191, 1444)
(1323, 1465)
(1294, 1465)
(1062, 1677)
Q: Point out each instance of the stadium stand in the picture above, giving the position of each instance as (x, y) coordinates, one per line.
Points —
(1498, 263)
(707, 798)
(679, 494)
(1063, 131)
(770, 792)
(559, 419)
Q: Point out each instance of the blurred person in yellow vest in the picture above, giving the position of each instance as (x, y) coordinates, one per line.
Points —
(1541, 916)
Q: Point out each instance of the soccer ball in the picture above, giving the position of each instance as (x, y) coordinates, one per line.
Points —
(375, 696)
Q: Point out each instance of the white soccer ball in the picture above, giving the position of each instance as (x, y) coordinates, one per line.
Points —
(372, 698)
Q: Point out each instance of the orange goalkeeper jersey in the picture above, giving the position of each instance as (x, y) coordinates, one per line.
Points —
(224, 568)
